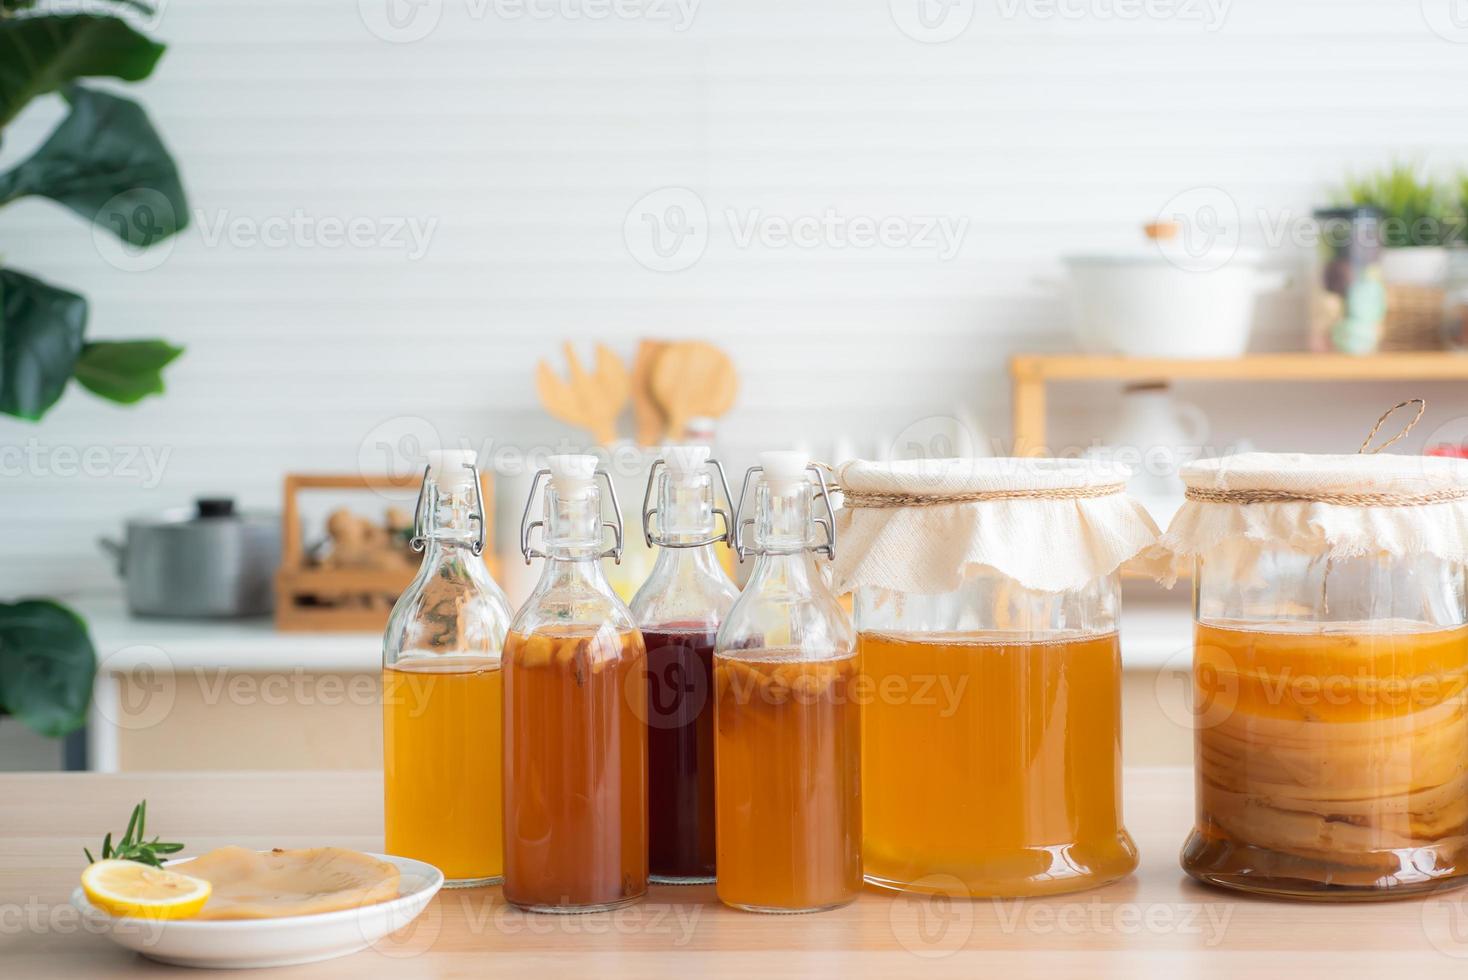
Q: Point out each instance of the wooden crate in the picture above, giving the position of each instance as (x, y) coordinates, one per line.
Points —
(297, 580)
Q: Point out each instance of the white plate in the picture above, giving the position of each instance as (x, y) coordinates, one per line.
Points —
(293, 939)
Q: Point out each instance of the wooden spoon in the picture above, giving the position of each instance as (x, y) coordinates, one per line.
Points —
(647, 414)
(690, 379)
(592, 401)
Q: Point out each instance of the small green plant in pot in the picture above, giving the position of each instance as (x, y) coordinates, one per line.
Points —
(106, 163)
(1418, 219)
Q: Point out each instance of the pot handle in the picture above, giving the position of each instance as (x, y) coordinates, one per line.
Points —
(117, 551)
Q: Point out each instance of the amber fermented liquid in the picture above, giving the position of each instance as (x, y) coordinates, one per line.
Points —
(993, 762)
(788, 767)
(1330, 764)
(575, 769)
(680, 753)
(441, 764)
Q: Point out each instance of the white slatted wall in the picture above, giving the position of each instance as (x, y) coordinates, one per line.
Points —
(526, 141)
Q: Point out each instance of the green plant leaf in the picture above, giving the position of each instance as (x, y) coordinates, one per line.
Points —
(125, 371)
(41, 330)
(47, 663)
(106, 162)
(1416, 209)
(40, 54)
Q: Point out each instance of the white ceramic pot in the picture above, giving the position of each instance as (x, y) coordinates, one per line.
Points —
(1147, 305)
(1416, 265)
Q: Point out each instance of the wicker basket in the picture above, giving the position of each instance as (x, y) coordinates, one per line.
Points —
(1414, 318)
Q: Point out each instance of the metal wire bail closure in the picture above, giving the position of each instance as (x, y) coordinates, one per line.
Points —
(527, 525)
(828, 522)
(649, 512)
(419, 540)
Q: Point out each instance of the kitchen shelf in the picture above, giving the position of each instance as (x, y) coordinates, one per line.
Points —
(1031, 373)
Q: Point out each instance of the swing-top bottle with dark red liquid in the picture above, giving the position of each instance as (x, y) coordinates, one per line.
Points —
(679, 610)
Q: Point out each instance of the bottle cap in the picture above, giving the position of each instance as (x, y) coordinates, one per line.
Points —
(685, 463)
(573, 475)
(449, 468)
(784, 469)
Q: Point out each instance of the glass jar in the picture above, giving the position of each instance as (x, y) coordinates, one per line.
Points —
(1331, 727)
(986, 596)
(991, 736)
(575, 779)
(679, 610)
(786, 715)
(1348, 302)
(441, 688)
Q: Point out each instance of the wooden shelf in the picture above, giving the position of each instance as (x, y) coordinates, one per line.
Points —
(1031, 372)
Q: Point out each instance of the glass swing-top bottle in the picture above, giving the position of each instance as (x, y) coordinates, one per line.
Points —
(787, 748)
(575, 713)
(441, 687)
(679, 610)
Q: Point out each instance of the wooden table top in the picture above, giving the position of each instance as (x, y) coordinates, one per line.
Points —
(1157, 923)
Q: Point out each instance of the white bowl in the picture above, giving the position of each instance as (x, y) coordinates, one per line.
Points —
(240, 943)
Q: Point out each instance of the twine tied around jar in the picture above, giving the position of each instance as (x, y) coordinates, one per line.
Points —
(1347, 499)
(886, 500)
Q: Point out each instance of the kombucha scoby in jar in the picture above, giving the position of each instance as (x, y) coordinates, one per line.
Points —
(788, 775)
(992, 758)
(1330, 761)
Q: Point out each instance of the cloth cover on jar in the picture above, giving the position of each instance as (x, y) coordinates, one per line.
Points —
(921, 526)
(1335, 506)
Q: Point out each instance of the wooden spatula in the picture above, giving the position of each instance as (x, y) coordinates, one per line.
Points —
(592, 401)
(647, 414)
(690, 379)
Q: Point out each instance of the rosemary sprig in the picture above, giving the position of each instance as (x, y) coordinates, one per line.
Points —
(132, 846)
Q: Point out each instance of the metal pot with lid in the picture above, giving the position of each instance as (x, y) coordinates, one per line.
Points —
(208, 561)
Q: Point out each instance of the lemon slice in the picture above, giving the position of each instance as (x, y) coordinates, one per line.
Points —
(130, 888)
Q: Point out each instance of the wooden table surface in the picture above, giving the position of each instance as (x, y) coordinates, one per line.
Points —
(1157, 923)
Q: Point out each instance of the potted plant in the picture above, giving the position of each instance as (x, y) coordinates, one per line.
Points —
(1419, 219)
(106, 163)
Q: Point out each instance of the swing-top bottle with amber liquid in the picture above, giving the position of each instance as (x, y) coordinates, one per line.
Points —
(441, 687)
(787, 758)
(575, 712)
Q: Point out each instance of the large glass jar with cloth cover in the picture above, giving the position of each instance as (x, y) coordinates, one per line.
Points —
(986, 599)
(1330, 663)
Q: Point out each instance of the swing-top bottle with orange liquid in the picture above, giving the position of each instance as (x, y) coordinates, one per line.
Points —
(575, 712)
(786, 717)
(441, 687)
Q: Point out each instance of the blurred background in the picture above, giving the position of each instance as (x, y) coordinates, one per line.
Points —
(350, 231)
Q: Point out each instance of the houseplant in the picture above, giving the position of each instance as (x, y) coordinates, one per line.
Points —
(106, 163)
(1419, 219)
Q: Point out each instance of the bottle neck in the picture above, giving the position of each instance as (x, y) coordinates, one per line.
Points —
(573, 527)
(449, 523)
(782, 538)
(795, 573)
(782, 522)
(688, 561)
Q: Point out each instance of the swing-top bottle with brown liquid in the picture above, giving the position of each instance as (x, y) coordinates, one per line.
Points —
(787, 745)
(679, 609)
(441, 687)
(575, 781)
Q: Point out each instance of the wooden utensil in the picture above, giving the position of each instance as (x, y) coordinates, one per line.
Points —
(592, 401)
(647, 414)
(690, 379)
